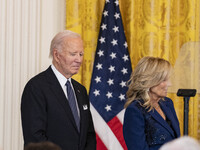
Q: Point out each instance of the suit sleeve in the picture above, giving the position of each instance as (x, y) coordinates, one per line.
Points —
(33, 114)
(134, 129)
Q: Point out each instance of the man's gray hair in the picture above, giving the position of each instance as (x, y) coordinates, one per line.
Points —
(182, 143)
(57, 41)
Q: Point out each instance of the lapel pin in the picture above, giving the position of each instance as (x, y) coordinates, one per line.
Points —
(85, 107)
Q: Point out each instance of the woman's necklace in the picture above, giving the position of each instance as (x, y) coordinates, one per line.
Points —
(159, 110)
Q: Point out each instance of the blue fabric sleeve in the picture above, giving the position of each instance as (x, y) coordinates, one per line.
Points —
(134, 129)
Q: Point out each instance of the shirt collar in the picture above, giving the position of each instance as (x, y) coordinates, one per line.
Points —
(62, 79)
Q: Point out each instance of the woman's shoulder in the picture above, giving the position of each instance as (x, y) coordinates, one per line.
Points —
(167, 98)
(168, 101)
(136, 104)
(135, 109)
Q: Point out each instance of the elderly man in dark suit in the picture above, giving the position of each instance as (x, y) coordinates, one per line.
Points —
(55, 107)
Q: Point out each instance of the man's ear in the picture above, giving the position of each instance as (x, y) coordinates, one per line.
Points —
(56, 55)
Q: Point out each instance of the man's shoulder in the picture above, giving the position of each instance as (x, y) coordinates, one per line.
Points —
(40, 77)
(76, 84)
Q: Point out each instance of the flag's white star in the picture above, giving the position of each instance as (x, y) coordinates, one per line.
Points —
(115, 29)
(102, 40)
(122, 97)
(117, 15)
(99, 66)
(111, 68)
(113, 55)
(125, 45)
(107, 1)
(124, 70)
(123, 84)
(114, 42)
(117, 2)
(96, 92)
(108, 108)
(125, 58)
(110, 81)
(109, 95)
(100, 53)
(104, 26)
(97, 79)
(105, 13)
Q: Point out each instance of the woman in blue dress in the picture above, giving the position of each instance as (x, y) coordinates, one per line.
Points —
(150, 119)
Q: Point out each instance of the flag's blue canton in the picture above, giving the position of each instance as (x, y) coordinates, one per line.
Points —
(112, 66)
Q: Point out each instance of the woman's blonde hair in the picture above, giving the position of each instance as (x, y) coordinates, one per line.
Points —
(149, 72)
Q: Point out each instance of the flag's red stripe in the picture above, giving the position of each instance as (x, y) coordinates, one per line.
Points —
(100, 144)
(117, 128)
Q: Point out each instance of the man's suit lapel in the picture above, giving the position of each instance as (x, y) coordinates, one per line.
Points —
(81, 105)
(160, 120)
(58, 91)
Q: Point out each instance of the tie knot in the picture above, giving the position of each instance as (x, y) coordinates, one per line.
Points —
(68, 83)
(69, 87)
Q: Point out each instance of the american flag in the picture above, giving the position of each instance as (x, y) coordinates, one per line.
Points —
(111, 71)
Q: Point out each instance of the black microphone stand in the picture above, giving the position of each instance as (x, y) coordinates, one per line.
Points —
(186, 94)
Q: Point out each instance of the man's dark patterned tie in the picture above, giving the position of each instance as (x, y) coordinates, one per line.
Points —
(72, 103)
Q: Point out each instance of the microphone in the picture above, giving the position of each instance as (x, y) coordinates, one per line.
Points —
(186, 93)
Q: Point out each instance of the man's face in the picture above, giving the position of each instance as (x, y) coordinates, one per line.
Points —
(70, 58)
